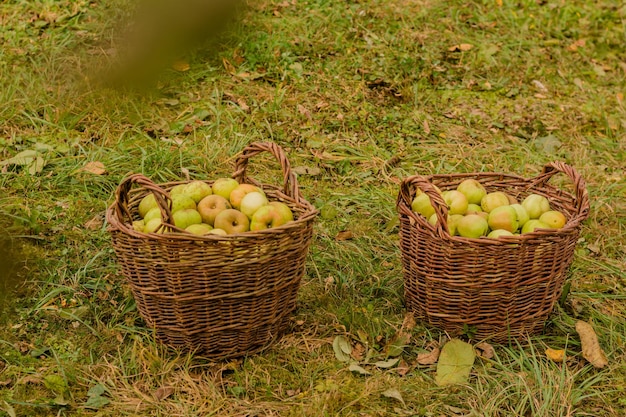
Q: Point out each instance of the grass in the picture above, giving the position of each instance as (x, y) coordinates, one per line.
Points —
(360, 95)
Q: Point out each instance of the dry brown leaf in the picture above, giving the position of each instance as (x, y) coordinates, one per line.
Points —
(344, 235)
(94, 167)
(163, 392)
(485, 350)
(460, 47)
(590, 346)
(95, 223)
(555, 355)
(403, 367)
(578, 44)
(230, 68)
(181, 66)
(358, 351)
(426, 127)
(408, 323)
(428, 358)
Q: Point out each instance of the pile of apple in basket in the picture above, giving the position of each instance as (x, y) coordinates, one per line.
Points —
(223, 208)
(473, 212)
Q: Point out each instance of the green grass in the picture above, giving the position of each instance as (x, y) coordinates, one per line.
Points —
(366, 93)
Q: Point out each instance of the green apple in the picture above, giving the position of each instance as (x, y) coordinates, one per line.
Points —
(153, 213)
(251, 202)
(224, 186)
(493, 200)
(199, 228)
(453, 221)
(210, 206)
(284, 209)
(232, 221)
(536, 205)
(147, 203)
(421, 204)
(238, 193)
(153, 225)
(269, 217)
(177, 190)
(553, 218)
(472, 225)
(181, 202)
(220, 232)
(503, 217)
(533, 224)
(433, 219)
(522, 214)
(197, 190)
(473, 190)
(139, 225)
(456, 201)
(494, 234)
(473, 208)
(186, 217)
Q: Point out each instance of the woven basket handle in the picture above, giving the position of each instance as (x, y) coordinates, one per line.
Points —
(580, 188)
(290, 183)
(408, 189)
(161, 196)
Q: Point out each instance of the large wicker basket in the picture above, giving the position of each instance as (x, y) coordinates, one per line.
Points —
(489, 289)
(220, 296)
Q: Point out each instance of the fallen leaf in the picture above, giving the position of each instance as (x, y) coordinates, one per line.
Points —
(389, 363)
(555, 355)
(590, 346)
(94, 167)
(342, 348)
(396, 346)
(358, 369)
(455, 363)
(358, 351)
(485, 350)
(428, 358)
(460, 47)
(408, 323)
(181, 66)
(403, 368)
(577, 44)
(393, 393)
(344, 235)
(163, 392)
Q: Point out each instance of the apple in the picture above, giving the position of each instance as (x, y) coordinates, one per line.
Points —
(473, 208)
(199, 228)
(553, 218)
(473, 190)
(139, 225)
(153, 225)
(472, 225)
(210, 206)
(238, 193)
(181, 202)
(269, 217)
(453, 221)
(433, 219)
(224, 186)
(503, 217)
(536, 205)
(146, 203)
(177, 190)
(220, 232)
(456, 201)
(232, 221)
(251, 202)
(522, 214)
(284, 209)
(493, 200)
(512, 200)
(153, 213)
(494, 234)
(197, 190)
(186, 217)
(533, 224)
(421, 204)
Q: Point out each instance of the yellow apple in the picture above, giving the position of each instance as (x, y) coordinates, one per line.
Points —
(536, 205)
(197, 190)
(251, 202)
(148, 202)
(553, 218)
(472, 225)
(238, 193)
(456, 201)
(493, 200)
(503, 217)
(473, 190)
(199, 228)
(232, 221)
(224, 186)
(210, 206)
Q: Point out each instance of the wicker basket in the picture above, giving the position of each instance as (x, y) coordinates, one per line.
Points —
(220, 296)
(487, 288)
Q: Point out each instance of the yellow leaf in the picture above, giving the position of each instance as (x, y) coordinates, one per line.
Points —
(94, 167)
(590, 346)
(499, 3)
(556, 355)
(181, 66)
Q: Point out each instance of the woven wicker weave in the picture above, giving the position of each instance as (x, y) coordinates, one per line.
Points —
(220, 296)
(493, 289)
